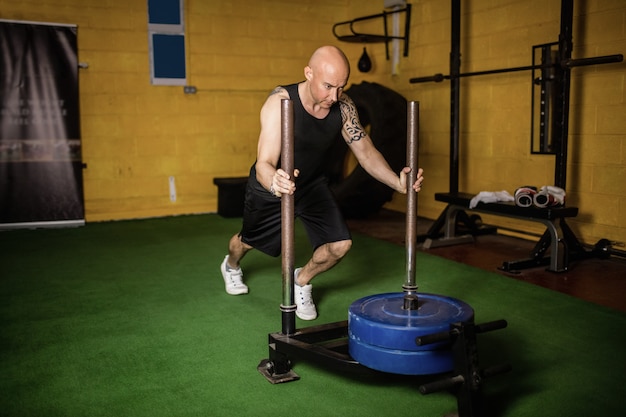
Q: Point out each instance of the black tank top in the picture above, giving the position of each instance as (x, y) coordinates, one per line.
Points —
(313, 138)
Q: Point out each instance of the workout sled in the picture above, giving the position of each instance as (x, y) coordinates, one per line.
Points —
(327, 345)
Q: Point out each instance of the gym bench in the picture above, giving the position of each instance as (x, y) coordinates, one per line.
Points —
(558, 237)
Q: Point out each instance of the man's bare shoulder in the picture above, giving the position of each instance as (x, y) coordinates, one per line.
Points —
(272, 102)
(278, 93)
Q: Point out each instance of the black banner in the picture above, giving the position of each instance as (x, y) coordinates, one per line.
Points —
(40, 151)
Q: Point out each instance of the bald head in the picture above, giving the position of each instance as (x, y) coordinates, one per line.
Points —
(330, 55)
(332, 60)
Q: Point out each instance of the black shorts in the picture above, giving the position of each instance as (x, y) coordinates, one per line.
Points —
(314, 205)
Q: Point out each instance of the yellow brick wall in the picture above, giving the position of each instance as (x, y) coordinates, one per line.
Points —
(135, 136)
(495, 109)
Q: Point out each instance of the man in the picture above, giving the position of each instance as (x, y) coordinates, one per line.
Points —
(321, 112)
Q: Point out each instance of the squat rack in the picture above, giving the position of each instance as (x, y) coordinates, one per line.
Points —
(562, 77)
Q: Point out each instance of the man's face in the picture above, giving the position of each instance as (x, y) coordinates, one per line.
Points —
(327, 93)
(327, 83)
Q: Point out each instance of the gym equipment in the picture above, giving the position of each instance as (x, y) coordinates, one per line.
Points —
(231, 193)
(560, 87)
(551, 217)
(345, 32)
(382, 332)
(400, 333)
(365, 63)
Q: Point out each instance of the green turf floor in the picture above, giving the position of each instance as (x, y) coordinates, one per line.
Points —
(131, 319)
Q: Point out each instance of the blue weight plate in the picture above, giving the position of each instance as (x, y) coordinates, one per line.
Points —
(381, 334)
(401, 362)
(380, 320)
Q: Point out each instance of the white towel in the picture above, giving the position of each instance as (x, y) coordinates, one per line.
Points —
(490, 197)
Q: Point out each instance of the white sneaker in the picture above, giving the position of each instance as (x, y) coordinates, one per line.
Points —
(233, 279)
(305, 307)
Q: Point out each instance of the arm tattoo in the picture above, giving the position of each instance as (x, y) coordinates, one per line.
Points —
(350, 119)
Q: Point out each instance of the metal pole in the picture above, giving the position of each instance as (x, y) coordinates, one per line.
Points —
(562, 109)
(410, 285)
(455, 95)
(287, 307)
(568, 63)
